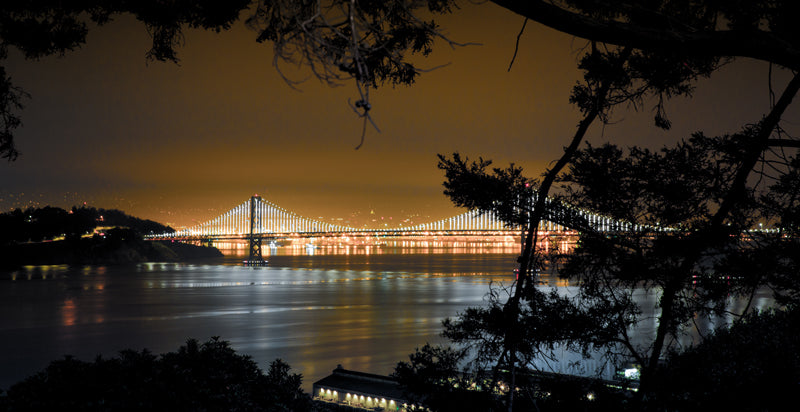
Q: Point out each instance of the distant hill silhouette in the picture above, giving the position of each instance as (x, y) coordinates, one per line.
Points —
(48, 223)
(86, 235)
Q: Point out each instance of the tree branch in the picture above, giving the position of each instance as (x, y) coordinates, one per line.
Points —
(783, 143)
(760, 143)
(757, 44)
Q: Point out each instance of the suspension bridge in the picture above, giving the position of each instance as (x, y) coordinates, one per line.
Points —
(257, 219)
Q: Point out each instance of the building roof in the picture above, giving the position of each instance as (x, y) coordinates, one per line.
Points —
(344, 380)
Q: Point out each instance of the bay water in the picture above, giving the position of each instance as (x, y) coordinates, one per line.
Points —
(365, 307)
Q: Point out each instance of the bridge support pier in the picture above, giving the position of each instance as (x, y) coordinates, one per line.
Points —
(255, 258)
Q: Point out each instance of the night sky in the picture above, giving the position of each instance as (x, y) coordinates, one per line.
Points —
(182, 143)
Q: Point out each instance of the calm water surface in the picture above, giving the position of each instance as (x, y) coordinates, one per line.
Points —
(365, 309)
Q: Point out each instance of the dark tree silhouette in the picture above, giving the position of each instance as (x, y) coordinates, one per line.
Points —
(432, 377)
(682, 255)
(637, 53)
(371, 41)
(747, 367)
(760, 29)
(208, 376)
(653, 64)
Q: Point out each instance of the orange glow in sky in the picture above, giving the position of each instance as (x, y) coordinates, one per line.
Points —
(182, 143)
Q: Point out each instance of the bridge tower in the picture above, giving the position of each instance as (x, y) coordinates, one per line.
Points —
(255, 258)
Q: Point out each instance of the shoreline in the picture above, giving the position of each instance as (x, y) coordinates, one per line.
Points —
(105, 251)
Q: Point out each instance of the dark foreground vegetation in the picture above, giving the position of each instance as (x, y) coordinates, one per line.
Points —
(753, 366)
(749, 366)
(697, 204)
(86, 235)
(208, 376)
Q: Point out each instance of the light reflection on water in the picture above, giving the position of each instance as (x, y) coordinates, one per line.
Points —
(366, 311)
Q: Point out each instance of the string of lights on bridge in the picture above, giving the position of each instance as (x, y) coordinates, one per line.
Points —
(262, 217)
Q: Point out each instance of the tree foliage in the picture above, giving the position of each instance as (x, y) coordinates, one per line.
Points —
(366, 40)
(691, 251)
(470, 186)
(693, 265)
(374, 42)
(751, 366)
(760, 29)
(689, 264)
(433, 377)
(695, 202)
(207, 376)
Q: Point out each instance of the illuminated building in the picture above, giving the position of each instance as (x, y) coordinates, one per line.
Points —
(362, 390)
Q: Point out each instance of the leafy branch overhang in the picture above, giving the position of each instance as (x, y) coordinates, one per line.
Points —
(753, 42)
